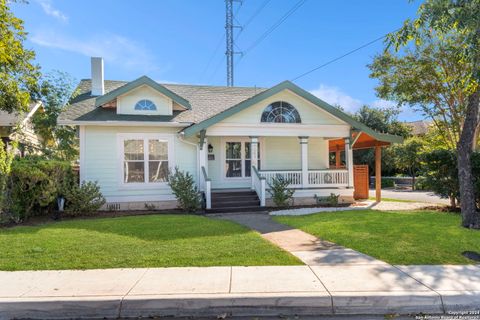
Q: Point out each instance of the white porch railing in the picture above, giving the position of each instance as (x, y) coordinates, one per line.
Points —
(331, 178)
(316, 178)
(295, 177)
(259, 185)
(207, 189)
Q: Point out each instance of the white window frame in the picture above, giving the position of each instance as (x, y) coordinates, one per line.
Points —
(223, 159)
(121, 137)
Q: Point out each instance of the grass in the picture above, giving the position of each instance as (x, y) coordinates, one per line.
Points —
(141, 241)
(397, 237)
(392, 200)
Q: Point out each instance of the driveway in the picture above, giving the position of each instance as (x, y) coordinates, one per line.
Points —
(417, 196)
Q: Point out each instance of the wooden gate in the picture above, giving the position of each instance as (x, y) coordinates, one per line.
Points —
(360, 182)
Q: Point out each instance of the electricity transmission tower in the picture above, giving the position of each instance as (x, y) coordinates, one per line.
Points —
(229, 25)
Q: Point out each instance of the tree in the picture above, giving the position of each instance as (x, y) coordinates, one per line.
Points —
(18, 73)
(407, 156)
(381, 120)
(431, 80)
(455, 25)
(59, 142)
(7, 153)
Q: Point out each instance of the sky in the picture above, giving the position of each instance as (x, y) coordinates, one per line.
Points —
(182, 41)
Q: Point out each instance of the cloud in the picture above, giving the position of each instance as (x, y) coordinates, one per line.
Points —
(335, 96)
(115, 49)
(51, 11)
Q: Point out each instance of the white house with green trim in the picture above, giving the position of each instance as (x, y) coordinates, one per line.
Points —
(228, 138)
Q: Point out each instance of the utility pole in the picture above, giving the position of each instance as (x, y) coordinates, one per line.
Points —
(229, 25)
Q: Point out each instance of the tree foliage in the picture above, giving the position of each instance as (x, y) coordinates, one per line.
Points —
(6, 157)
(430, 79)
(18, 73)
(455, 25)
(381, 120)
(59, 142)
(407, 156)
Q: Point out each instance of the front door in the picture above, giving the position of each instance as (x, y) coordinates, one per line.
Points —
(237, 159)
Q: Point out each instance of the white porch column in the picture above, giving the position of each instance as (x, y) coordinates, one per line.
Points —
(349, 162)
(253, 157)
(202, 162)
(304, 150)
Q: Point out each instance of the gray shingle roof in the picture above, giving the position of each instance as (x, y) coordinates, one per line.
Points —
(206, 101)
(12, 119)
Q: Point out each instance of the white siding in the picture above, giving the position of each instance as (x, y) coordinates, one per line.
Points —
(100, 162)
(126, 103)
(309, 113)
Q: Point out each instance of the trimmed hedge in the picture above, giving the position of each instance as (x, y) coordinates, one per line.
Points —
(35, 184)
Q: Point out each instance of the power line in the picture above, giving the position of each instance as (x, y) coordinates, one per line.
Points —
(343, 56)
(252, 17)
(217, 47)
(273, 27)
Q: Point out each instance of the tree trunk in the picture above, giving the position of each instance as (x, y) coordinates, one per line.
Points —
(470, 216)
(413, 180)
(453, 204)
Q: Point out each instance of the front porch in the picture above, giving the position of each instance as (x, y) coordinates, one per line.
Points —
(239, 162)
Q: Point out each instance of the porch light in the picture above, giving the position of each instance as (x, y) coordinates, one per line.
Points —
(210, 148)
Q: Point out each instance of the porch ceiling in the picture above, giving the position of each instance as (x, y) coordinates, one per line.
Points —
(361, 141)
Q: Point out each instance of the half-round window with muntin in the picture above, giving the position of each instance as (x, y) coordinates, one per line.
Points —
(145, 105)
(281, 112)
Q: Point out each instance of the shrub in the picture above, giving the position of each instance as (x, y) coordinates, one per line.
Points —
(388, 183)
(34, 185)
(184, 188)
(441, 174)
(281, 194)
(6, 158)
(329, 201)
(83, 199)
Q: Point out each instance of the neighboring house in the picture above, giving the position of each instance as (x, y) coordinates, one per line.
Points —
(228, 138)
(420, 127)
(19, 127)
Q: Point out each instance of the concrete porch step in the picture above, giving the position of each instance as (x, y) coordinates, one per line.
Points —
(244, 209)
(235, 202)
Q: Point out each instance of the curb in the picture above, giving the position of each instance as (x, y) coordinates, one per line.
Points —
(271, 304)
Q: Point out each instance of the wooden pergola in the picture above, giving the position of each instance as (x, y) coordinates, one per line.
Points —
(365, 140)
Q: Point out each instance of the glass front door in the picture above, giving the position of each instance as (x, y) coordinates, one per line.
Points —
(237, 159)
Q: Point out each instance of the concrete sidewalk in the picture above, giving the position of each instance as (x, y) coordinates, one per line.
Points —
(308, 290)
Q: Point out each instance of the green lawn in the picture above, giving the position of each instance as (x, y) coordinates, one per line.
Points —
(391, 200)
(141, 241)
(400, 237)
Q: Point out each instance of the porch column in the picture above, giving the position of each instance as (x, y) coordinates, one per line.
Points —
(378, 173)
(349, 161)
(304, 148)
(202, 162)
(253, 157)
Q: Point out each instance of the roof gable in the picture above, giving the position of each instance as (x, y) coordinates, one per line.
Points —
(144, 80)
(300, 92)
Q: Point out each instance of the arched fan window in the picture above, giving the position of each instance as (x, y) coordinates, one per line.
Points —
(281, 112)
(145, 105)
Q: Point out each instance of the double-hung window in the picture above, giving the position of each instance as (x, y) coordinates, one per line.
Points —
(145, 159)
